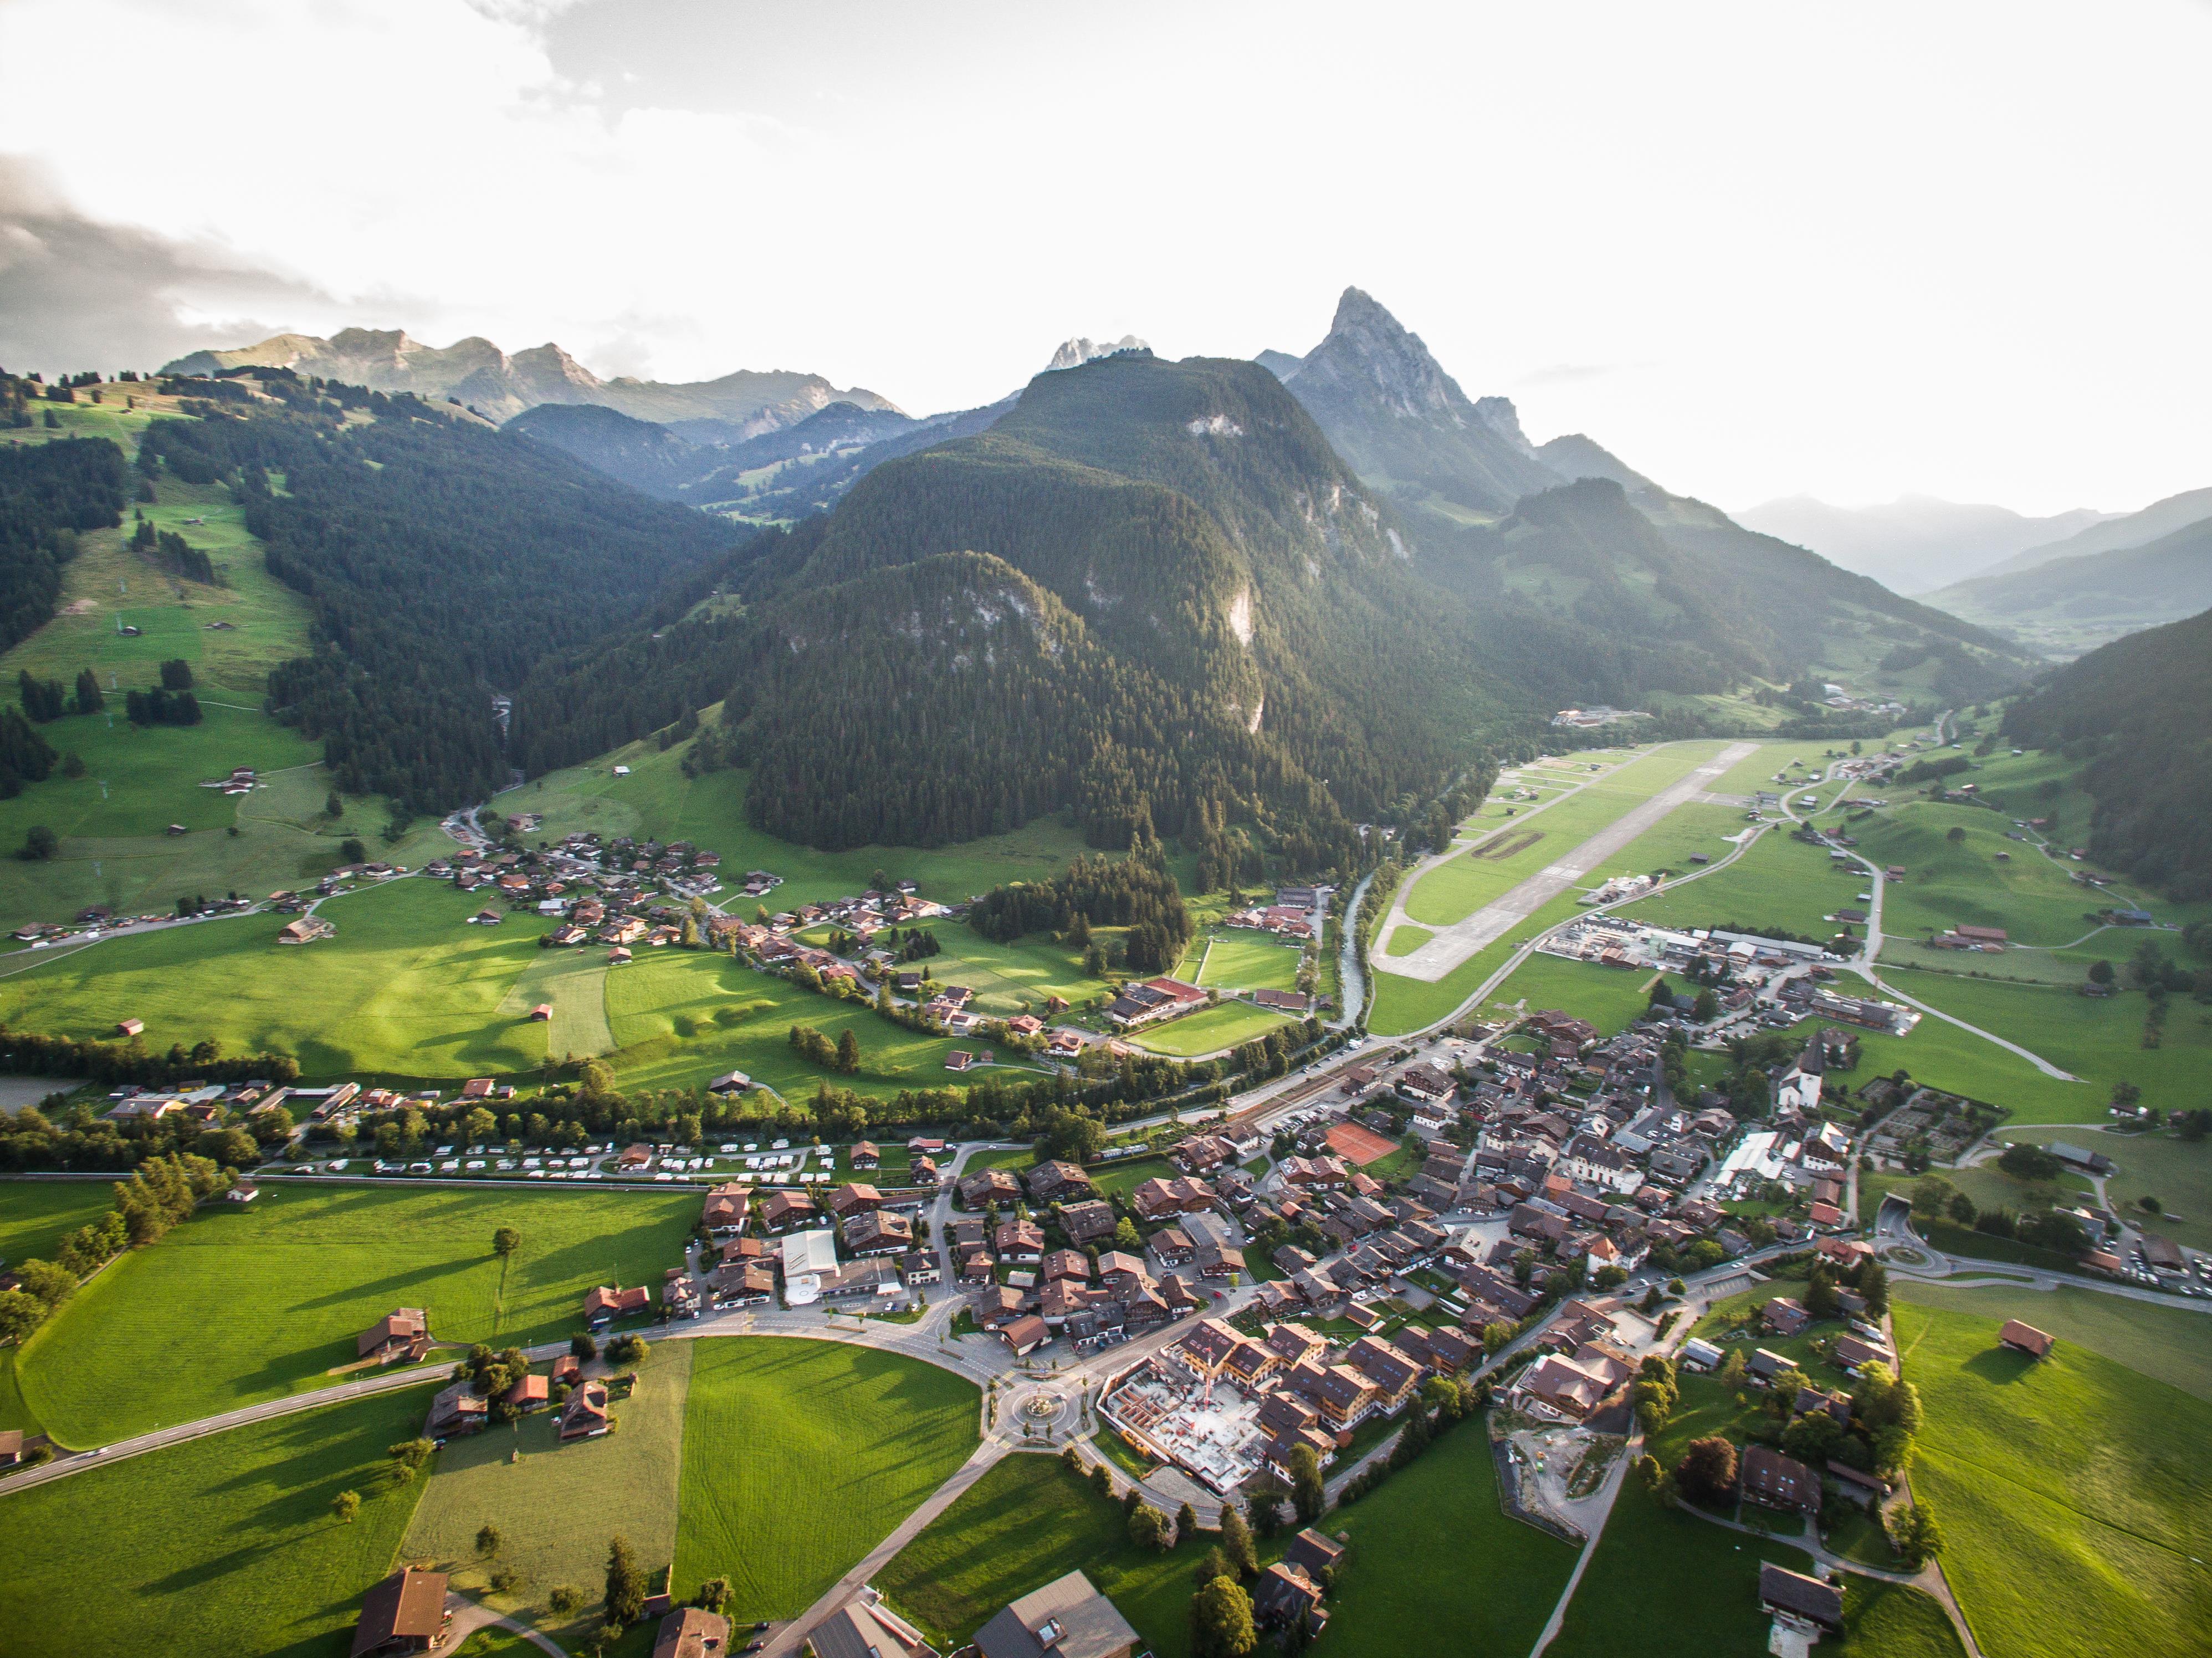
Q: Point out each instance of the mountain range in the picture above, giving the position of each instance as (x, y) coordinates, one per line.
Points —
(1916, 544)
(477, 374)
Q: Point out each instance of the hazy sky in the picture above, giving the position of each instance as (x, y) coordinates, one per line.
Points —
(1856, 249)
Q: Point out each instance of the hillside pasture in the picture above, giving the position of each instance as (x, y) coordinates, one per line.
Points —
(248, 1303)
(800, 1456)
(35, 1215)
(2072, 1489)
(2172, 1343)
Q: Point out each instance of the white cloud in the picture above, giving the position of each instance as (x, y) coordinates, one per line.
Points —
(1860, 252)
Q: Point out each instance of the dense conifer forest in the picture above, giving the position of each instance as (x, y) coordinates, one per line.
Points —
(48, 492)
(2140, 708)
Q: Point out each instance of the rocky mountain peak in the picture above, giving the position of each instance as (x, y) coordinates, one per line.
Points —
(1077, 350)
(1366, 342)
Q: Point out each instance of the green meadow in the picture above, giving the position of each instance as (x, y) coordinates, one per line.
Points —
(2176, 1172)
(35, 1215)
(1026, 1521)
(2170, 1343)
(1209, 1030)
(1779, 884)
(800, 1456)
(558, 1507)
(250, 1303)
(1609, 998)
(2073, 1490)
(217, 1546)
(1244, 959)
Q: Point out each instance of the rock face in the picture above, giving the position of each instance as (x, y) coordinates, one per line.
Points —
(500, 386)
(1075, 352)
(1388, 407)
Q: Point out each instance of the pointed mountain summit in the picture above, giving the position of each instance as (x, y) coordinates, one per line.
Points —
(1391, 409)
(1076, 350)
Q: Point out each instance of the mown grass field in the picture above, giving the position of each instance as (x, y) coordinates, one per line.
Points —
(1026, 1523)
(1244, 959)
(800, 1456)
(254, 1302)
(214, 1547)
(1010, 978)
(558, 1507)
(1780, 885)
(406, 988)
(35, 1215)
(681, 1017)
(2073, 1491)
(1431, 1551)
(1407, 938)
(1943, 1056)
(1211, 1028)
(1608, 997)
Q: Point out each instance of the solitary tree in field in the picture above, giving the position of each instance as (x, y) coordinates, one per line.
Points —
(487, 1538)
(506, 1241)
(346, 1505)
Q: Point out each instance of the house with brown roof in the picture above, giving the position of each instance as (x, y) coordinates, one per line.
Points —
(782, 1211)
(725, 1215)
(1071, 1265)
(405, 1612)
(1066, 1618)
(1026, 1334)
(455, 1410)
(879, 1232)
(1090, 1219)
(531, 1393)
(1777, 1481)
(1394, 1376)
(1057, 1180)
(1782, 1317)
(1797, 1597)
(584, 1416)
(1018, 1239)
(394, 1335)
(603, 1304)
(865, 1154)
(845, 1201)
(2025, 1338)
(692, 1632)
(989, 1186)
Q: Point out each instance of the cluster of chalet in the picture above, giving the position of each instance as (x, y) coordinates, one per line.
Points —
(1152, 1001)
(796, 1255)
(206, 1104)
(613, 893)
(1581, 1364)
(1291, 916)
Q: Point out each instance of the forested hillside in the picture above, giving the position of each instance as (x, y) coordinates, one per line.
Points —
(443, 560)
(2140, 708)
(2086, 599)
(49, 492)
(1190, 602)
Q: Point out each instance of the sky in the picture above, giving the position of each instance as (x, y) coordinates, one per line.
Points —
(1857, 250)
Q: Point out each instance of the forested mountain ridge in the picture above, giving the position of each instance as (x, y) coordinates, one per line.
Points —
(1249, 625)
(2140, 708)
(443, 560)
(2087, 598)
(634, 451)
(478, 373)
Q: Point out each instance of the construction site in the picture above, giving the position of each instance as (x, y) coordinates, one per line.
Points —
(1211, 1429)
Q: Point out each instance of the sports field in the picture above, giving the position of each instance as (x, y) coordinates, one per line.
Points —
(253, 1303)
(2073, 1491)
(558, 1507)
(1026, 1523)
(1209, 1028)
(1244, 959)
(800, 1456)
(214, 1547)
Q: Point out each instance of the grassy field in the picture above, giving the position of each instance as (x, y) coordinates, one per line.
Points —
(1010, 978)
(1943, 1056)
(218, 1547)
(36, 1215)
(1407, 938)
(1244, 959)
(406, 988)
(799, 1456)
(1026, 1523)
(1402, 1005)
(1670, 1584)
(2099, 1040)
(1209, 1028)
(251, 1303)
(2073, 1491)
(2176, 1172)
(2169, 1344)
(1608, 998)
(1456, 888)
(681, 1017)
(657, 798)
(557, 1506)
(1780, 883)
(1432, 1551)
